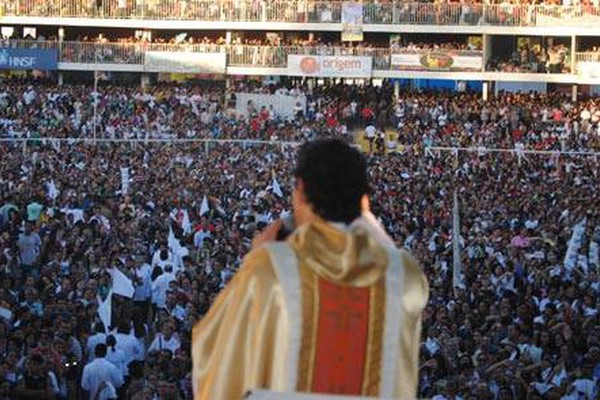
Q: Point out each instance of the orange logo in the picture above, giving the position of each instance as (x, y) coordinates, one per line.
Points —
(308, 65)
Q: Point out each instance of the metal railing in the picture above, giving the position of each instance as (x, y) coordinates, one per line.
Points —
(307, 11)
(238, 55)
(588, 56)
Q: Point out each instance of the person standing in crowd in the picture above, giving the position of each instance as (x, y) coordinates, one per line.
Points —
(99, 372)
(309, 314)
(29, 244)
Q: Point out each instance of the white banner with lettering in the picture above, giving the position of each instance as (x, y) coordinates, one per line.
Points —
(185, 62)
(330, 66)
(284, 106)
(435, 61)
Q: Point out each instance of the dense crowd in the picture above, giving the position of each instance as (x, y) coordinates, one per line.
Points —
(536, 59)
(376, 11)
(422, 119)
(82, 222)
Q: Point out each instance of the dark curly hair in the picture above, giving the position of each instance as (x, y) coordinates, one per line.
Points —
(335, 178)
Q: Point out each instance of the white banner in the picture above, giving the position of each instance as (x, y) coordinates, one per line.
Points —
(435, 61)
(352, 20)
(185, 62)
(330, 66)
(284, 106)
(589, 69)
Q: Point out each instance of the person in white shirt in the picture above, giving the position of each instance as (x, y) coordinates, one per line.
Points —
(128, 343)
(116, 356)
(143, 290)
(99, 371)
(165, 340)
(97, 338)
(160, 287)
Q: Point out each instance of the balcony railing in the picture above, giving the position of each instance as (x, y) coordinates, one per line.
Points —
(244, 55)
(306, 11)
(588, 56)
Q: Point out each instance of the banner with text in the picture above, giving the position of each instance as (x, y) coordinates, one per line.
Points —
(588, 69)
(185, 62)
(352, 20)
(41, 59)
(437, 61)
(330, 66)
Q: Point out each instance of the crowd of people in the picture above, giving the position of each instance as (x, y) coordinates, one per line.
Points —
(536, 59)
(110, 252)
(472, 12)
(422, 119)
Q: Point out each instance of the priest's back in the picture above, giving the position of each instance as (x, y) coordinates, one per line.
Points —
(330, 310)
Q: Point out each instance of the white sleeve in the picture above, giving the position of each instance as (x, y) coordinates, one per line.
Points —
(85, 379)
(154, 345)
(117, 377)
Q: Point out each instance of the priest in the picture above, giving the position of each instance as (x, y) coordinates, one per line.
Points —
(334, 308)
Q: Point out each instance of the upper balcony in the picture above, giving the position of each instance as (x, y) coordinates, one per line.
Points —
(288, 60)
(305, 15)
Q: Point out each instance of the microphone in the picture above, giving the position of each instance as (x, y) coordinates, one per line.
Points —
(287, 227)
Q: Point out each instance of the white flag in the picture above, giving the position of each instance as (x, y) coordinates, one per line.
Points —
(204, 208)
(574, 245)
(457, 273)
(121, 284)
(52, 190)
(276, 188)
(124, 180)
(185, 223)
(105, 310)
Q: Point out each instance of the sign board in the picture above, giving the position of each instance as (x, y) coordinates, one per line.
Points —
(185, 62)
(28, 59)
(588, 69)
(352, 20)
(437, 61)
(330, 66)
(283, 105)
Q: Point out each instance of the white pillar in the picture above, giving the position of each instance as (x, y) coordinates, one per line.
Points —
(487, 50)
(60, 79)
(397, 89)
(574, 93)
(311, 85)
(485, 90)
(573, 54)
(228, 37)
(145, 81)
(61, 34)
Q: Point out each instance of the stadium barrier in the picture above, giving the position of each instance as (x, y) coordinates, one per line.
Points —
(427, 151)
(304, 11)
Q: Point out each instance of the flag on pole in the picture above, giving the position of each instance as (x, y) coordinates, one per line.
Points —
(185, 223)
(204, 208)
(121, 284)
(458, 280)
(276, 187)
(105, 310)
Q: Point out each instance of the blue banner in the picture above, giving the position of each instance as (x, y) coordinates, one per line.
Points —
(43, 59)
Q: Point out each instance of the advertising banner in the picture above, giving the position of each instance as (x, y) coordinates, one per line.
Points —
(28, 59)
(283, 105)
(185, 62)
(588, 69)
(330, 66)
(437, 61)
(352, 20)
